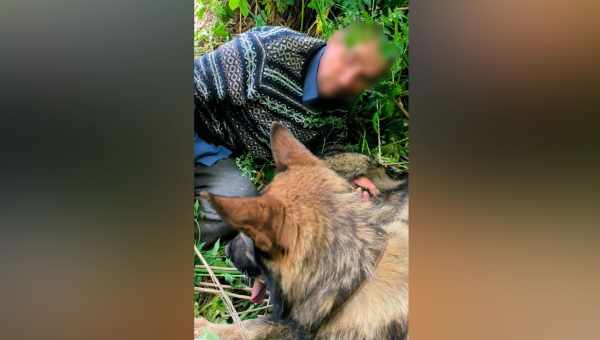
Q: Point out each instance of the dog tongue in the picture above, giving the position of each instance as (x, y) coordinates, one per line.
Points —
(258, 292)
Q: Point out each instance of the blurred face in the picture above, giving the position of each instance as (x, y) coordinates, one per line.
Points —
(347, 71)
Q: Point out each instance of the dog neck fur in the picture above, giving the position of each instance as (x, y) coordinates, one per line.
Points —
(342, 247)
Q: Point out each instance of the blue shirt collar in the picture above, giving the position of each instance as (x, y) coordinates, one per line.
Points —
(310, 94)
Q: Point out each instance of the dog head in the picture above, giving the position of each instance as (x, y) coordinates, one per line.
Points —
(300, 188)
(305, 233)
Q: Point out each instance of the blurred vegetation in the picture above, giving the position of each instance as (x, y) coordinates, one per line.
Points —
(379, 121)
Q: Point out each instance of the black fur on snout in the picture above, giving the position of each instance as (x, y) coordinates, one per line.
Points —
(242, 253)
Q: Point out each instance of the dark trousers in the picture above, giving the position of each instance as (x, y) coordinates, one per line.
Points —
(223, 178)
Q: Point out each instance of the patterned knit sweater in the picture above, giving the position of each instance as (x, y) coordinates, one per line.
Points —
(254, 79)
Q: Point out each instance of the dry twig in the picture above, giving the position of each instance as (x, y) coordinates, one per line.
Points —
(401, 107)
(234, 315)
(216, 291)
(208, 284)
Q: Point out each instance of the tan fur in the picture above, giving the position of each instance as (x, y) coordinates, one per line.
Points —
(382, 298)
(351, 165)
(341, 262)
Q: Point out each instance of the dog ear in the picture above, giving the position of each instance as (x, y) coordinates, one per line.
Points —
(259, 217)
(287, 150)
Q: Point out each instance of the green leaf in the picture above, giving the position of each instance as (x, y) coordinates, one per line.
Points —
(220, 31)
(229, 278)
(200, 11)
(244, 7)
(196, 209)
(215, 250)
(234, 4)
(260, 19)
(375, 122)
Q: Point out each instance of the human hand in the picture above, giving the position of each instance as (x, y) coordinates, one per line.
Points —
(366, 188)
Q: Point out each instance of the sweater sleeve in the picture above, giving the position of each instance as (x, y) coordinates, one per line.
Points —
(224, 82)
(218, 83)
(233, 72)
(227, 74)
(205, 86)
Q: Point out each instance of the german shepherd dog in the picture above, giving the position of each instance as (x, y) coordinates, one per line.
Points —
(335, 264)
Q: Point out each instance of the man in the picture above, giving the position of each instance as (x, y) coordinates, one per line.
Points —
(268, 74)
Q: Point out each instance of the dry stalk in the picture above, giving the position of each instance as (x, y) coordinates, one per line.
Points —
(216, 291)
(234, 314)
(224, 269)
(254, 309)
(208, 284)
(401, 107)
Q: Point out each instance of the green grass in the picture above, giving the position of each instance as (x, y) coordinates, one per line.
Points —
(378, 126)
(209, 305)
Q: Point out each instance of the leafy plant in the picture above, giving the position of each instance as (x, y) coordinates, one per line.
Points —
(243, 6)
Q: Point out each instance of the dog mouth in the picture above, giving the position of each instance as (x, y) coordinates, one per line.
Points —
(258, 292)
